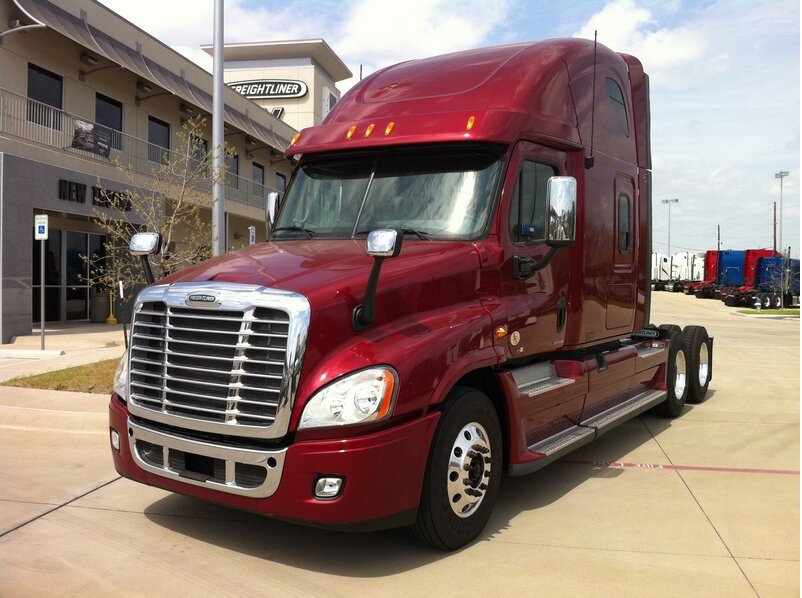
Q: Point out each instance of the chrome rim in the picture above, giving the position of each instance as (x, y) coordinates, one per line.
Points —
(468, 472)
(704, 364)
(680, 377)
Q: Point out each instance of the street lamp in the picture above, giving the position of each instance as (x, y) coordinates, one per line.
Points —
(670, 257)
(781, 175)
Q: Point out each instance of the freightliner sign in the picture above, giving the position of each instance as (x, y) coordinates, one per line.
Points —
(267, 89)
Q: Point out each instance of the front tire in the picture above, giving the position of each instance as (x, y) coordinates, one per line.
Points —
(463, 474)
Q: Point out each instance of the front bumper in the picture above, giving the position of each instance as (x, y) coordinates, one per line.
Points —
(383, 472)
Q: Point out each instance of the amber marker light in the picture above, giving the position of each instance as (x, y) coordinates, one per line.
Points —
(389, 128)
(501, 332)
(369, 130)
(351, 132)
(471, 122)
(295, 139)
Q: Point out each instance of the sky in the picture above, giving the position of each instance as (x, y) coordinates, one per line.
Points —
(724, 75)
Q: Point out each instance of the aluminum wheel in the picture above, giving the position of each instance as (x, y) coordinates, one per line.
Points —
(468, 469)
(704, 364)
(680, 379)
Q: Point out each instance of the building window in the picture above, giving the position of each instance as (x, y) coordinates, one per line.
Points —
(158, 139)
(200, 152)
(529, 205)
(281, 185)
(109, 113)
(329, 99)
(624, 228)
(258, 178)
(45, 90)
(232, 171)
(617, 100)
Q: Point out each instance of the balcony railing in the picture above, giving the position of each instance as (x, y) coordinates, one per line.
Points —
(40, 123)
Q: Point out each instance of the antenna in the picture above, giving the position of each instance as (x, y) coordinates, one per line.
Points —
(589, 159)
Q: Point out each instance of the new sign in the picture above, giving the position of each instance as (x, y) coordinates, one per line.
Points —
(268, 89)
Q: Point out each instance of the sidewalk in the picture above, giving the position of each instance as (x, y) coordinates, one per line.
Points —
(66, 345)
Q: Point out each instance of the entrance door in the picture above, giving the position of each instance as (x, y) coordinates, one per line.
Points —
(52, 282)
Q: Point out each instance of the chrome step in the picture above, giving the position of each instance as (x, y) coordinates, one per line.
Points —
(561, 444)
(607, 420)
(538, 378)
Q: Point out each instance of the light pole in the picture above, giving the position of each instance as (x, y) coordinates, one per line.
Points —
(781, 175)
(670, 257)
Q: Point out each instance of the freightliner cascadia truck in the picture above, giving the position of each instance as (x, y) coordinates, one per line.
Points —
(456, 286)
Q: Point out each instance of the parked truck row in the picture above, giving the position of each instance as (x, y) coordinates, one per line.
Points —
(748, 278)
(456, 285)
(673, 273)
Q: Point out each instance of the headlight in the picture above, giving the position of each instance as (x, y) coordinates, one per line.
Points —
(121, 377)
(365, 396)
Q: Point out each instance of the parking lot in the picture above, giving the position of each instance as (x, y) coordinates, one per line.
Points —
(704, 505)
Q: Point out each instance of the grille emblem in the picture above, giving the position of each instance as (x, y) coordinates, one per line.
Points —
(201, 300)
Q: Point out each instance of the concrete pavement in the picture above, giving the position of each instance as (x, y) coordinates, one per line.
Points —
(703, 505)
(66, 345)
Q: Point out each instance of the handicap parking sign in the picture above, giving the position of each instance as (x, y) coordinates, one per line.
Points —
(40, 227)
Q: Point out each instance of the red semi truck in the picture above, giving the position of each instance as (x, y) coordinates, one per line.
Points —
(456, 286)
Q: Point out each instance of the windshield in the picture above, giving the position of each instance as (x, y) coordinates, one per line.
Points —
(433, 194)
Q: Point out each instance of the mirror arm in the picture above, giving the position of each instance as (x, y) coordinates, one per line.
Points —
(149, 278)
(525, 267)
(364, 314)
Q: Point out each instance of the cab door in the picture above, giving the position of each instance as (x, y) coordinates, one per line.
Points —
(534, 276)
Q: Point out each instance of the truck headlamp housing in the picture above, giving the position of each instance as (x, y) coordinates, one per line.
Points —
(121, 378)
(365, 396)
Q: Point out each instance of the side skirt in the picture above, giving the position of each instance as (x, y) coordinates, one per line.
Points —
(561, 444)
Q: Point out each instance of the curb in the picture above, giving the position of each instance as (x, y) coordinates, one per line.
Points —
(30, 353)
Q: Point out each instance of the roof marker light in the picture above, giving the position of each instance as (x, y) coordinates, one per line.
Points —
(295, 139)
(351, 132)
(369, 130)
(471, 121)
(389, 129)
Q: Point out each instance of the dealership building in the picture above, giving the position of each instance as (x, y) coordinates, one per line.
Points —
(82, 90)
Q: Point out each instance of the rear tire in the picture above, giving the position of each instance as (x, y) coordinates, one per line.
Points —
(463, 474)
(669, 329)
(700, 362)
(676, 378)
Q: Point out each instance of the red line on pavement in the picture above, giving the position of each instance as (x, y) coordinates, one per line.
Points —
(625, 465)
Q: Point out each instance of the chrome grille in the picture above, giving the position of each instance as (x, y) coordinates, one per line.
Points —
(224, 369)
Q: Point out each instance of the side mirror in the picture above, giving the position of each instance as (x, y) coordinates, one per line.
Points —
(561, 198)
(143, 245)
(271, 207)
(146, 244)
(385, 242)
(381, 243)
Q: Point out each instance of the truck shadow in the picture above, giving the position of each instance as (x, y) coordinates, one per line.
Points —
(379, 554)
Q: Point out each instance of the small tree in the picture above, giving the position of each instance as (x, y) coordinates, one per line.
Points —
(171, 203)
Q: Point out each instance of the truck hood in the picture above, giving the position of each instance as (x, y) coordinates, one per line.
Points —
(330, 271)
(427, 278)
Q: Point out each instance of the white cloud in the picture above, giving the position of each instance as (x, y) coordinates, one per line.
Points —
(724, 78)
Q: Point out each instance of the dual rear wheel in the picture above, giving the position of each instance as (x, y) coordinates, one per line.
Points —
(689, 368)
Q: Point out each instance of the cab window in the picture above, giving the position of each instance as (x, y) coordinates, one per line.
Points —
(529, 205)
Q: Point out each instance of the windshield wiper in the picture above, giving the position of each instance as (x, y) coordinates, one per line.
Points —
(421, 234)
(297, 229)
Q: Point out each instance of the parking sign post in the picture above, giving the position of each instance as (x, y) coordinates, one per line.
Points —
(40, 234)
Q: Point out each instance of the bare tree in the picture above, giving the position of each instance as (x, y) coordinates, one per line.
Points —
(171, 202)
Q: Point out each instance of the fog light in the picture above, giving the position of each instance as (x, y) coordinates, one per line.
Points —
(328, 488)
(115, 440)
